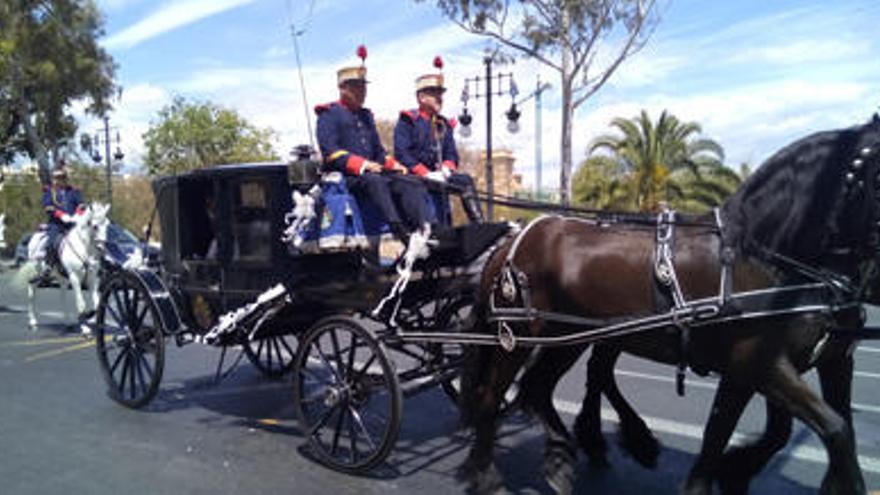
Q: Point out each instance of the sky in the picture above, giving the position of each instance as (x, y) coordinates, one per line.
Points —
(755, 74)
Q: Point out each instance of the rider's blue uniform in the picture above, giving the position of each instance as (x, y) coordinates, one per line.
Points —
(348, 138)
(58, 201)
(424, 143)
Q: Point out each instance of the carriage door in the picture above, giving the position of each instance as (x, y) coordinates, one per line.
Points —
(249, 264)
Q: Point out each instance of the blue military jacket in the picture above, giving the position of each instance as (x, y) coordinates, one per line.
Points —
(60, 200)
(416, 138)
(347, 138)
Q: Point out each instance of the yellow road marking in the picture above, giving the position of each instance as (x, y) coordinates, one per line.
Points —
(58, 340)
(269, 422)
(56, 352)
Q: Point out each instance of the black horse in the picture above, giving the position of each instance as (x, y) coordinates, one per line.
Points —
(811, 209)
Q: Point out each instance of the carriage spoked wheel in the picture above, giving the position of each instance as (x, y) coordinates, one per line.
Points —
(130, 341)
(456, 315)
(273, 355)
(347, 395)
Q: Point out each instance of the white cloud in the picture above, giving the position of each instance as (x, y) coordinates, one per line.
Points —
(799, 52)
(169, 17)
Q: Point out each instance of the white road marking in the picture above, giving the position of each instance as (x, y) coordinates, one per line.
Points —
(695, 432)
(712, 385)
(866, 374)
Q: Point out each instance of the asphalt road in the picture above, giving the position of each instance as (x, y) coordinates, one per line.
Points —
(60, 433)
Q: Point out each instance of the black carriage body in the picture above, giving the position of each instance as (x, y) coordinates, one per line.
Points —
(221, 231)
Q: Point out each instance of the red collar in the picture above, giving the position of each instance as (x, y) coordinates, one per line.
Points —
(345, 106)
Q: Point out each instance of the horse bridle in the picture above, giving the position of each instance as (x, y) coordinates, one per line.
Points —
(862, 176)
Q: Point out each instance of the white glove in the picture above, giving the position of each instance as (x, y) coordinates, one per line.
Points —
(436, 176)
(66, 219)
(446, 172)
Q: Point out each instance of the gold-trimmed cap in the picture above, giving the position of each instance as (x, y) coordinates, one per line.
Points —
(346, 74)
(430, 81)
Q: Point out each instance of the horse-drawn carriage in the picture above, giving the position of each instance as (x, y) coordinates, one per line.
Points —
(764, 288)
(226, 277)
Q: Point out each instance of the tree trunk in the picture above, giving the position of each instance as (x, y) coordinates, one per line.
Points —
(34, 141)
(565, 151)
(567, 113)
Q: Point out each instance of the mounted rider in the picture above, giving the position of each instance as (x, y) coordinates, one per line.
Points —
(423, 141)
(350, 144)
(60, 201)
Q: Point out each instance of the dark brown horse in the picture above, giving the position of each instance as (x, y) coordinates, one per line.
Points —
(813, 204)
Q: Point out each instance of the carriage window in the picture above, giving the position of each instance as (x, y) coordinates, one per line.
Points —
(251, 225)
(196, 216)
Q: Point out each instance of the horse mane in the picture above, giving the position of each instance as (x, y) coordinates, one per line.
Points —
(791, 203)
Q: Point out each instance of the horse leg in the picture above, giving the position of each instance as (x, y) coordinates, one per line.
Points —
(835, 376)
(740, 464)
(786, 388)
(76, 286)
(536, 397)
(485, 379)
(588, 423)
(635, 436)
(728, 405)
(32, 303)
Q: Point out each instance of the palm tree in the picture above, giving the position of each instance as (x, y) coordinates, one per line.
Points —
(600, 182)
(666, 161)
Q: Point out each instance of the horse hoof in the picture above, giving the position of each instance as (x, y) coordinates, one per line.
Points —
(480, 482)
(696, 486)
(85, 331)
(559, 472)
(640, 443)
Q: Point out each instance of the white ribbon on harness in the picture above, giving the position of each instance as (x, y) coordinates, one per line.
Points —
(417, 249)
(298, 219)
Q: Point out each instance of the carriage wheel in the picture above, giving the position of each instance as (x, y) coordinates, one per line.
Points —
(130, 341)
(347, 395)
(456, 316)
(272, 355)
(453, 317)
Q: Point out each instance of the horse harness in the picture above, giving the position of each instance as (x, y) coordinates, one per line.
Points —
(819, 291)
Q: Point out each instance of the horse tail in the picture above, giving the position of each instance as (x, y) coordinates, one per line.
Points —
(22, 277)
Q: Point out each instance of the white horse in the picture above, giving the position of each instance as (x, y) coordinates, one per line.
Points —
(80, 252)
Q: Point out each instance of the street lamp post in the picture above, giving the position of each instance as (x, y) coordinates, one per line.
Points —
(539, 90)
(512, 116)
(91, 145)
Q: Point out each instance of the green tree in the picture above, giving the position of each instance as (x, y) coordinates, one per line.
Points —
(190, 136)
(584, 41)
(600, 182)
(666, 161)
(49, 58)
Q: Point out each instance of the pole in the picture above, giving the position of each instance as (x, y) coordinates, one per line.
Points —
(107, 161)
(490, 175)
(538, 91)
(302, 84)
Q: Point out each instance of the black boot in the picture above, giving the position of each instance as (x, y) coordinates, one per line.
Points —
(472, 208)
